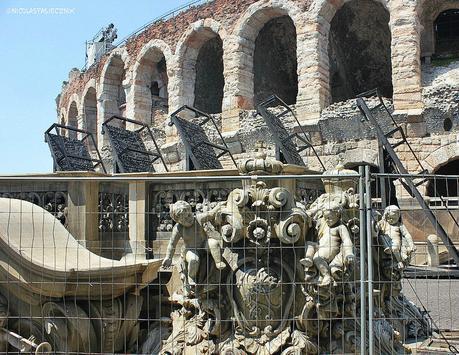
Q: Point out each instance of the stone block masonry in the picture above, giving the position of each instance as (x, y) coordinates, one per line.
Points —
(232, 45)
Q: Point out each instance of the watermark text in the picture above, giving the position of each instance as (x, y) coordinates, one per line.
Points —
(40, 10)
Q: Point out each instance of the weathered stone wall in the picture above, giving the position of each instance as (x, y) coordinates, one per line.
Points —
(238, 24)
(244, 28)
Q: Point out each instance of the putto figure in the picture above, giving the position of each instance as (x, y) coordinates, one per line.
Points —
(335, 247)
(395, 238)
(197, 234)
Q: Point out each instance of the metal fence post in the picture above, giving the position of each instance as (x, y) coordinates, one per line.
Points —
(363, 304)
(370, 258)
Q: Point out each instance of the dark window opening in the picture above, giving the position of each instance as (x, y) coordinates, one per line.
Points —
(447, 124)
(275, 61)
(159, 83)
(154, 88)
(209, 85)
(445, 187)
(359, 50)
(446, 29)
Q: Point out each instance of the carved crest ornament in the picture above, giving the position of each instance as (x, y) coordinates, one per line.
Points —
(262, 273)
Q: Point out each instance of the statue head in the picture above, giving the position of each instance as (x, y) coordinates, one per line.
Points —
(332, 214)
(392, 214)
(182, 213)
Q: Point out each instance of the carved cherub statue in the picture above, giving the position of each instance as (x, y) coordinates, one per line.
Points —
(196, 235)
(335, 247)
(395, 237)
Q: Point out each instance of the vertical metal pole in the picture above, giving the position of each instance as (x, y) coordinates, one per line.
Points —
(382, 185)
(370, 258)
(363, 303)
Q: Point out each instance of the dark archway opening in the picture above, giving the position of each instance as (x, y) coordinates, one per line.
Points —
(446, 28)
(359, 50)
(210, 82)
(90, 116)
(445, 187)
(275, 62)
(73, 119)
(158, 88)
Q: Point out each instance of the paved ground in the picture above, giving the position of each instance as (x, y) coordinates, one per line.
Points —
(440, 298)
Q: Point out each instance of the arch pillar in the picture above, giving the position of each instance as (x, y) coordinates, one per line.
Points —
(238, 90)
(313, 73)
(406, 57)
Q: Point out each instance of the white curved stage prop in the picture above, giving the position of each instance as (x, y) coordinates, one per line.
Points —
(39, 256)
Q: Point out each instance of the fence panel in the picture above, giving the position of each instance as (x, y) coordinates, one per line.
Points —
(261, 264)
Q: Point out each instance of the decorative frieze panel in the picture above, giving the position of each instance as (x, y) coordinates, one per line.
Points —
(113, 212)
(54, 202)
(201, 198)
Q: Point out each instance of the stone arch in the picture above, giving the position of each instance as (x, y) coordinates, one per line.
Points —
(441, 156)
(429, 12)
(324, 10)
(445, 187)
(200, 61)
(359, 48)
(114, 86)
(89, 111)
(360, 156)
(243, 44)
(150, 89)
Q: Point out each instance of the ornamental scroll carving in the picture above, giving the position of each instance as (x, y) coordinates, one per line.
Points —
(270, 274)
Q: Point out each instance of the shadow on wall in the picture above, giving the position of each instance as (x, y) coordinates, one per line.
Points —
(275, 62)
(360, 50)
(208, 91)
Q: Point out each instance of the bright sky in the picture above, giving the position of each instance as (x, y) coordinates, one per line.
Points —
(38, 49)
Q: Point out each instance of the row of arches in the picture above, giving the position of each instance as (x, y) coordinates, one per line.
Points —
(271, 51)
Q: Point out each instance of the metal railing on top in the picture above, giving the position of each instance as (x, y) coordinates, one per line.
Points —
(164, 17)
(172, 13)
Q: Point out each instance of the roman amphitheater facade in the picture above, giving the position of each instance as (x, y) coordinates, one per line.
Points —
(224, 57)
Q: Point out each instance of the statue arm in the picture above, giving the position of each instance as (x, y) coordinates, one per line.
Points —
(209, 216)
(347, 245)
(176, 235)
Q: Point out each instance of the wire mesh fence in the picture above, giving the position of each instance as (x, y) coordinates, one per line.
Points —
(260, 264)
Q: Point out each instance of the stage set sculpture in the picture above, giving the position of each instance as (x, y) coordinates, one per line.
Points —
(263, 273)
(260, 273)
(56, 296)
